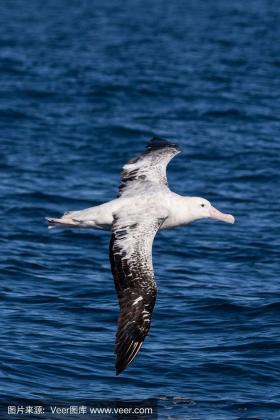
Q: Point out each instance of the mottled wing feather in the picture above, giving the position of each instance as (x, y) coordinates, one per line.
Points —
(148, 168)
(132, 269)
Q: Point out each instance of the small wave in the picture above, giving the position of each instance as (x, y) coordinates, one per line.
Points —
(12, 114)
(43, 197)
(229, 113)
(37, 94)
(222, 305)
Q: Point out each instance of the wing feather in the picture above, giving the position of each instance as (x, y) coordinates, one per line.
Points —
(132, 269)
(148, 168)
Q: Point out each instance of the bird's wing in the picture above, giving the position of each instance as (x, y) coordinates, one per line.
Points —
(131, 244)
(149, 169)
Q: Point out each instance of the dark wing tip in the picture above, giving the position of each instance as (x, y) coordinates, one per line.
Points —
(157, 143)
(126, 355)
(120, 368)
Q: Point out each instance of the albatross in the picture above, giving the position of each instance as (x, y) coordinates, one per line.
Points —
(144, 205)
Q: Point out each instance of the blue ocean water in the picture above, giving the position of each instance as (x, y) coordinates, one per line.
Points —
(84, 85)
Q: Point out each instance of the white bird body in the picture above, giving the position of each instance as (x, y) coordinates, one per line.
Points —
(101, 216)
(178, 209)
(145, 205)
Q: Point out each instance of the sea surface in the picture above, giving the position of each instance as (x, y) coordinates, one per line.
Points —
(84, 85)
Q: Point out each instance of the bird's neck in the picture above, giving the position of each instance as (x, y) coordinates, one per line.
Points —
(180, 212)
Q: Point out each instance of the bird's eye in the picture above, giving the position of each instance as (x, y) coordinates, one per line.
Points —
(202, 205)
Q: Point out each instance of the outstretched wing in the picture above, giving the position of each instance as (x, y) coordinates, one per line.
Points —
(132, 269)
(148, 168)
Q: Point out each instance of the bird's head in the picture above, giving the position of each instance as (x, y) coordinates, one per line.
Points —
(201, 209)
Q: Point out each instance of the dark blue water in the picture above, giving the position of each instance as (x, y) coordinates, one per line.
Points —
(84, 85)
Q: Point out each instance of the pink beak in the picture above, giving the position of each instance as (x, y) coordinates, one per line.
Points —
(218, 215)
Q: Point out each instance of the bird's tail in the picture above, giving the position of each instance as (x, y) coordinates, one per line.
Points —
(69, 222)
(62, 223)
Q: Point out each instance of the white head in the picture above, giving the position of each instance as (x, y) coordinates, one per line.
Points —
(200, 208)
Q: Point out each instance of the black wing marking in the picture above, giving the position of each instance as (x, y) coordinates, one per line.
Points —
(148, 167)
(132, 269)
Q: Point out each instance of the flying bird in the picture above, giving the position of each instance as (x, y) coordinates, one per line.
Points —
(144, 205)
